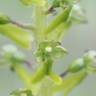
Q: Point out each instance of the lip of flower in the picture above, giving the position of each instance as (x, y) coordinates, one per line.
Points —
(62, 49)
(48, 49)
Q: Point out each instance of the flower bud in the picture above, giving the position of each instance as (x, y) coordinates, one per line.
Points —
(90, 56)
(77, 65)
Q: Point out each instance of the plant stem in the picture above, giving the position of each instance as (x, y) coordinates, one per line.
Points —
(40, 22)
(43, 71)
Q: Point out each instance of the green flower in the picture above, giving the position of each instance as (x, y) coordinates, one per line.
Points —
(50, 50)
(77, 65)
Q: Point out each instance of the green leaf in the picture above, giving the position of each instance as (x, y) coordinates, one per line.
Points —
(70, 83)
(60, 32)
(58, 20)
(21, 37)
(22, 73)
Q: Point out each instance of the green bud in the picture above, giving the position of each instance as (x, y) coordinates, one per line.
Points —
(90, 57)
(11, 53)
(4, 19)
(8, 51)
(77, 66)
(77, 14)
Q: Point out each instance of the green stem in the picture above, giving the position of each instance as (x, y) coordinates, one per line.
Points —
(40, 22)
(42, 72)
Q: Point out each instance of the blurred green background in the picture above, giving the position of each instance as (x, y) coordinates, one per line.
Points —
(79, 39)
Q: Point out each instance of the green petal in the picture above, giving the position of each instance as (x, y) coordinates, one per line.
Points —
(59, 52)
